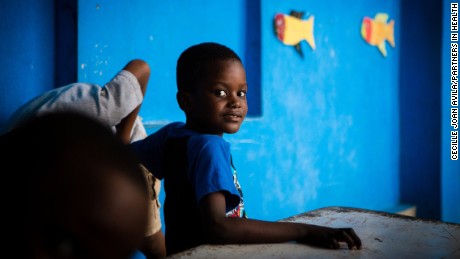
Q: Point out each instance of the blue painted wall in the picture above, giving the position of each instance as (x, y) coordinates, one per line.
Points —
(157, 31)
(450, 170)
(326, 130)
(420, 106)
(27, 52)
(329, 130)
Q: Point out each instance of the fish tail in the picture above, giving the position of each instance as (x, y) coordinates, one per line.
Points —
(391, 33)
(309, 32)
(381, 47)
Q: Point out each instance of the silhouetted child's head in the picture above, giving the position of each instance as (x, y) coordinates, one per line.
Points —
(212, 87)
(77, 191)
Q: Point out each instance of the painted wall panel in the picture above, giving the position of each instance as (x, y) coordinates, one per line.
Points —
(450, 169)
(420, 106)
(330, 132)
(27, 50)
(111, 33)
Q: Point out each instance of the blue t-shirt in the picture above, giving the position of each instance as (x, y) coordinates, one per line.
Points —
(192, 165)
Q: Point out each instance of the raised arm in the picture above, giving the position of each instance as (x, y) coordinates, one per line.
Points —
(224, 230)
(141, 70)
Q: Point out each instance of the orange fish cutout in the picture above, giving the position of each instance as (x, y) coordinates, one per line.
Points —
(291, 30)
(376, 31)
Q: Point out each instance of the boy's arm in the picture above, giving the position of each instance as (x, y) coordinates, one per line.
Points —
(141, 70)
(225, 230)
(154, 246)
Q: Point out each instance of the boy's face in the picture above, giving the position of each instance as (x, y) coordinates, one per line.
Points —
(218, 104)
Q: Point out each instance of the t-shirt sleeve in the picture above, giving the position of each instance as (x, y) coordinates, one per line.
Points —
(150, 150)
(146, 152)
(210, 168)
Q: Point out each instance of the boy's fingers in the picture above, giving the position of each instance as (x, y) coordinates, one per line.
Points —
(355, 238)
(346, 238)
(335, 244)
(350, 233)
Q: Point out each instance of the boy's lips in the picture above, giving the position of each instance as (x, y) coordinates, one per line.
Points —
(233, 116)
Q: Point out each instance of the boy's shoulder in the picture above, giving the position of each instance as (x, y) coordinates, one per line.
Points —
(208, 139)
(168, 129)
(208, 144)
(195, 140)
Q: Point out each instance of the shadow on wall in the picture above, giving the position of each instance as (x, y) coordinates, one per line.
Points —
(420, 107)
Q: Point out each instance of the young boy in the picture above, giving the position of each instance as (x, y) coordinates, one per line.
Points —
(116, 104)
(204, 202)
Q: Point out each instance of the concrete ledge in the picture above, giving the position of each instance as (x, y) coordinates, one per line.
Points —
(383, 234)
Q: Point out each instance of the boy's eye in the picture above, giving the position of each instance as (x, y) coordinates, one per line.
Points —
(220, 93)
(242, 94)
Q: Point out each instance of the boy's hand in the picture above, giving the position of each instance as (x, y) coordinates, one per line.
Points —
(330, 237)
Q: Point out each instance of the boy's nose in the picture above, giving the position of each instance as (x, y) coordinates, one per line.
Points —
(234, 102)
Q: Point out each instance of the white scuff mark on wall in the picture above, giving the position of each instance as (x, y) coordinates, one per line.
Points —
(295, 181)
(351, 158)
(294, 187)
(295, 101)
(332, 53)
(83, 67)
(304, 187)
(251, 155)
(320, 103)
(304, 181)
(276, 187)
(247, 141)
(99, 60)
(339, 137)
(246, 145)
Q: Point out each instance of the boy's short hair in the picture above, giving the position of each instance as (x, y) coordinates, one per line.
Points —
(193, 63)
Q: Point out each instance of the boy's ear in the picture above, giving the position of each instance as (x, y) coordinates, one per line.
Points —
(183, 99)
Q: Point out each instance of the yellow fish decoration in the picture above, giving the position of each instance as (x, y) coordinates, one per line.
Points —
(376, 31)
(291, 30)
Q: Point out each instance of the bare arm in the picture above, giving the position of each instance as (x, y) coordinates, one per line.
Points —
(154, 246)
(224, 230)
(141, 70)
